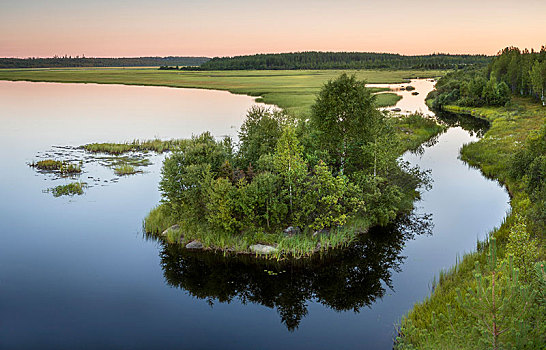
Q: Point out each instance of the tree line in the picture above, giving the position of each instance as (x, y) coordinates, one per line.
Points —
(511, 72)
(317, 174)
(342, 60)
(82, 61)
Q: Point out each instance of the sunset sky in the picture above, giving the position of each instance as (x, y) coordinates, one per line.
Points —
(112, 28)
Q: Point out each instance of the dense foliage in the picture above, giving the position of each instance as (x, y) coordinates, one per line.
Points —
(528, 166)
(69, 61)
(342, 60)
(512, 71)
(314, 175)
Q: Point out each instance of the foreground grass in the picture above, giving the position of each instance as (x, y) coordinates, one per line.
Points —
(158, 223)
(291, 90)
(420, 328)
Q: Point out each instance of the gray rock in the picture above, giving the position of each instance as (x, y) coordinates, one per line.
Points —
(290, 231)
(396, 110)
(194, 245)
(262, 249)
(172, 228)
(320, 232)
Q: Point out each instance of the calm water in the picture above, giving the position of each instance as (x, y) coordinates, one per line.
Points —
(77, 273)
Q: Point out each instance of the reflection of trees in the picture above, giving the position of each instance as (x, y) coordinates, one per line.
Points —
(343, 280)
(475, 126)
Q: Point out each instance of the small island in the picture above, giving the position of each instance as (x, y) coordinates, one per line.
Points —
(293, 186)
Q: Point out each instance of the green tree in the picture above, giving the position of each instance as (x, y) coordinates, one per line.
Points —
(259, 133)
(290, 165)
(345, 119)
(333, 199)
(538, 79)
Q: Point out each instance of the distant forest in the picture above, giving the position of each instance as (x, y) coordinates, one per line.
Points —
(341, 60)
(69, 61)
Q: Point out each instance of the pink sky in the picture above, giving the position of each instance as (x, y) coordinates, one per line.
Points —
(220, 28)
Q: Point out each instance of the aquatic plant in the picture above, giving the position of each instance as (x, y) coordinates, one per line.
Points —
(71, 189)
(125, 169)
(62, 167)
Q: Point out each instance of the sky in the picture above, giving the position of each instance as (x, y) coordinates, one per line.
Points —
(123, 28)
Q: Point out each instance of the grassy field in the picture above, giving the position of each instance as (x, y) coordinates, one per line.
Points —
(510, 126)
(292, 90)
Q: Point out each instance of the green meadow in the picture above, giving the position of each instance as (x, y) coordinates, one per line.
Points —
(292, 90)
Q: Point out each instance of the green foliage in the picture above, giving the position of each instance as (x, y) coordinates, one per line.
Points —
(340, 60)
(345, 119)
(528, 165)
(280, 177)
(71, 189)
(156, 145)
(510, 72)
(259, 134)
(331, 199)
(62, 167)
(77, 61)
(522, 249)
(125, 169)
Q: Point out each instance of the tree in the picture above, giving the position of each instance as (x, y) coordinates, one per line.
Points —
(259, 133)
(291, 166)
(538, 80)
(345, 119)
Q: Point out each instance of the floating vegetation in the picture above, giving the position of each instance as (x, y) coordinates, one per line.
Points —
(156, 145)
(125, 169)
(62, 167)
(74, 188)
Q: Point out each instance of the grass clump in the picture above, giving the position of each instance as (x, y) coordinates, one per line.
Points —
(415, 129)
(156, 145)
(125, 169)
(62, 167)
(71, 189)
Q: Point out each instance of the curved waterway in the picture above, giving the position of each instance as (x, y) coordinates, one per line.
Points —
(77, 272)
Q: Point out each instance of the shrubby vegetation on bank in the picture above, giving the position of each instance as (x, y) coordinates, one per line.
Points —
(513, 71)
(495, 298)
(325, 178)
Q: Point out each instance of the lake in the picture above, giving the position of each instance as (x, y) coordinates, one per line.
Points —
(78, 272)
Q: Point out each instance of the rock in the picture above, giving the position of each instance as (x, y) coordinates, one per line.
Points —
(320, 232)
(262, 249)
(415, 93)
(194, 245)
(290, 231)
(396, 110)
(172, 228)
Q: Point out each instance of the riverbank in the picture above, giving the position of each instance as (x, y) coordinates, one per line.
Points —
(424, 327)
(293, 91)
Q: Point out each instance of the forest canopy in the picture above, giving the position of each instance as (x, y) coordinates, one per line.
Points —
(342, 60)
(511, 72)
(77, 61)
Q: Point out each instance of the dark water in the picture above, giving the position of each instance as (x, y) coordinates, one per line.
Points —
(77, 272)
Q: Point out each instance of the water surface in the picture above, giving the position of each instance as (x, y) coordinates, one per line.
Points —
(78, 273)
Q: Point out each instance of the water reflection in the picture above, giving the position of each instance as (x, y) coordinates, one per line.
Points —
(348, 279)
(476, 127)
